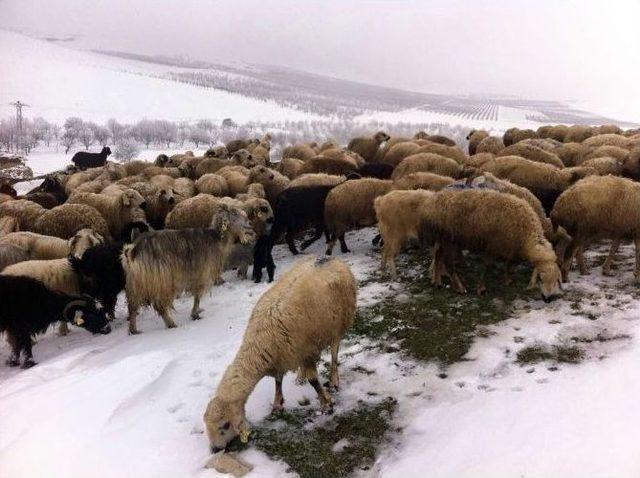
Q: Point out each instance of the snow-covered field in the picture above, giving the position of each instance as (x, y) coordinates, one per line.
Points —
(131, 406)
(59, 82)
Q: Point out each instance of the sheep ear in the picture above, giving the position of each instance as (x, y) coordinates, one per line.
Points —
(534, 277)
(126, 201)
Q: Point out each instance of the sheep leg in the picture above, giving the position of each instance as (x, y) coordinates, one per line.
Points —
(343, 245)
(278, 399)
(166, 317)
(606, 267)
(389, 252)
(27, 361)
(133, 313)
(15, 344)
(582, 263)
(288, 236)
(242, 271)
(195, 310)
(63, 329)
(481, 288)
(271, 267)
(331, 242)
(323, 396)
(317, 235)
(507, 274)
(636, 272)
(568, 259)
(334, 378)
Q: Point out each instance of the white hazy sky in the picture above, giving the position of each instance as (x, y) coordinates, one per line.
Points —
(583, 50)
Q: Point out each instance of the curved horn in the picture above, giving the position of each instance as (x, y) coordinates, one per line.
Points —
(73, 303)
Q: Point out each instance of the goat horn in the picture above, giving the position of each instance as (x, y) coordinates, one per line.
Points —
(73, 303)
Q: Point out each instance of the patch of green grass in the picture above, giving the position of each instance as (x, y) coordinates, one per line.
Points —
(556, 353)
(432, 323)
(308, 450)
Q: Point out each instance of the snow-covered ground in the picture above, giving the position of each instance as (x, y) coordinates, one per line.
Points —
(59, 82)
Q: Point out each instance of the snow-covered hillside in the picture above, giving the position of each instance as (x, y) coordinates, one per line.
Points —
(59, 82)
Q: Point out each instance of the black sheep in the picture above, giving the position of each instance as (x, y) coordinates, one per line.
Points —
(84, 160)
(52, 186)
(376, 170)
(297, 208)
(27, 308)
(262, 258)
(100, 274)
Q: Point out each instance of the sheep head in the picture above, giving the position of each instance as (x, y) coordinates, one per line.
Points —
(225, 422)
(167, 197)
(381, 137)
(88, 314)
(546, 273)
(244, 158)
(425, 135)
(83, 240)
(260, 214)
(132, 199)
(162, 160)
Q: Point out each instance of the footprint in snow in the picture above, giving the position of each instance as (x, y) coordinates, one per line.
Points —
(175, 408)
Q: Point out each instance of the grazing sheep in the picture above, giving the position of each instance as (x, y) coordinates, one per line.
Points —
(531, 153)
(556, 133)
(578, 133)
(309, 309)
(66, 220)
(421, 180)
(467, 219)
(599, 207)
(135, 167)
(399, 220)
(474, 137)
(213, 184)
(349, 206)
(514, 135)
(27, 308)
(290, 167)
(545, 181)
(160, 265)
(452, 152)
(116, 210)
(399, 151)
(621, 154)
(317, 180)
(26, 213)
(274, 182)
(84, 160)
(38, 246)
(11, 254)
(607, 140)
(368, 147)
(8, 225)
(236, 144)
(324, 165)
(604, 165)
(217, 152)
(572, 154)
(428, 163)
(159, 202)
(302, 152)
(490, 144)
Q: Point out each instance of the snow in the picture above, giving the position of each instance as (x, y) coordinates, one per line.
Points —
(58, 82)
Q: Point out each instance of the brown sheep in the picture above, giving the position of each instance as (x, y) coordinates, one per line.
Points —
(490, 144)
(344, 155)
(320, 164)
(66, 220)
(309, 309)
(557, 132)
(621, 154)
(514, 135)
(474, 137)
(478, 159)
(532, 153)
(452, 152)
(290, 167)
(152, 171)
(329, 144)
(205, 166)
(302, 152)
(607, 129)
(438, 138)
(572, 154)
(136, 167)
(599, 207)
(274, 182)
(213, 184)
(427, 163)
(399, 151)
(578, 133)
(604, 165)
(607, 140)
(236, 144)
(349, 206)
(26, 213)
(317, 180)
(545, 181)
(420, 180)
(368, 147)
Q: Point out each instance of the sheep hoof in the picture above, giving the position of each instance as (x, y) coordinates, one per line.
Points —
(28, 363)
(134, 332)
(12, 362)
(328, 410)
(193, 317)
(277, 407)
(328, 252)
(331, 387)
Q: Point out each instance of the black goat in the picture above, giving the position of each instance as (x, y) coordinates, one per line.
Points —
(27, 307)
(262, 258)
(84, 160)
(100, 274)
(52, 186)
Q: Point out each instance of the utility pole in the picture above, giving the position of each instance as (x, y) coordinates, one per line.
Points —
(19, 130)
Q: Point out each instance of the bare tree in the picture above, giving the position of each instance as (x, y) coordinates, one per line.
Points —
(68, 139)
(116, 129)
(198, 136)
(144, 131)
(86, 137)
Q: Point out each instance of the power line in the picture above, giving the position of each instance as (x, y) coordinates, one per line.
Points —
(19, 105)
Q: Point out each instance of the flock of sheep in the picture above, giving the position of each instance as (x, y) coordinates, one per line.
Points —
(157, 230)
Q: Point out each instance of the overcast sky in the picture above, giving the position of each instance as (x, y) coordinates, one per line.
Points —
(586, 50)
